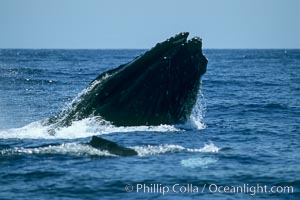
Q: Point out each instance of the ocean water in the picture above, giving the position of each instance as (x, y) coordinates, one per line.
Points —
(244, 131)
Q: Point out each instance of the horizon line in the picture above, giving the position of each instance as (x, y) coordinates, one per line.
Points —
(281, 48)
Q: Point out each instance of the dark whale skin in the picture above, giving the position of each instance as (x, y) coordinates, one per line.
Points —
(111, 147)
(158, 87)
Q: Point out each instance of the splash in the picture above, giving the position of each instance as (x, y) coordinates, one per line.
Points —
(96, 126)
(196, 119)
(71, 106)
(159, 149)
(153, 150)
(79, 129)
(207, 148)
(81, 149)
(198, 112)
(74, 149)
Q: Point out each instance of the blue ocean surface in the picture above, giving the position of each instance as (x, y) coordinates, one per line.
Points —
(243, 136)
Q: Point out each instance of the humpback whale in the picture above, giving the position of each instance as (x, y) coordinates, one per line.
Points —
(157, 87)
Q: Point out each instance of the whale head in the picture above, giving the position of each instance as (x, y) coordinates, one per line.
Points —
(158, 87)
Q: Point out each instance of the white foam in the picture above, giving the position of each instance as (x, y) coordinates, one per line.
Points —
(33, 130)
(152, 150)
(75, 149)
(80, 149)
(198, 162)
(207, 148)
(79, 129)
(165, 148)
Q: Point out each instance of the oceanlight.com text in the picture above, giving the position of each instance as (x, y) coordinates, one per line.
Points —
(157, 188)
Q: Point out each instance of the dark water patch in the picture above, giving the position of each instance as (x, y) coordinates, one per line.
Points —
(31, 176)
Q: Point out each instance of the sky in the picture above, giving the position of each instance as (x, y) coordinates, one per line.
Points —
(138, 24)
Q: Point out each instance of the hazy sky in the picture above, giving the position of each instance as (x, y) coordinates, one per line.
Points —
(141, 23)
